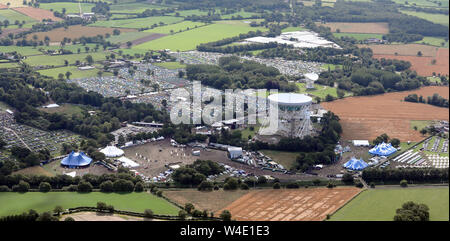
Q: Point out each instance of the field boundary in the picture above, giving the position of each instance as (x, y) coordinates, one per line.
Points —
(351, 199)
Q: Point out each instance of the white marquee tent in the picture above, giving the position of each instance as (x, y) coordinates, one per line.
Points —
(112, 151)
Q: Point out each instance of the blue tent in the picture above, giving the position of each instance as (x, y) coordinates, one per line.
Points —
(355, 164)
(76, 159)
(383, 149)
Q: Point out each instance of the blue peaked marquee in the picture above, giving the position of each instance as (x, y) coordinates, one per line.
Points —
(383, 149)
(355, 164)
(76, 159)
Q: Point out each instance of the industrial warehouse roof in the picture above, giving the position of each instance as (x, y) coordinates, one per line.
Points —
(383, 149)
(112, 151)
(290, 99)
(76, 159)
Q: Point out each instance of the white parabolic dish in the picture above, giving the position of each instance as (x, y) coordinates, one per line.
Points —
(290, 99)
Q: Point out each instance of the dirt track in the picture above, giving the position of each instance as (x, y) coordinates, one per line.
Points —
(311, 204)
(365, 118)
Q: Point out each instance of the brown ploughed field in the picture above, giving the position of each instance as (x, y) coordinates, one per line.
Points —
(75, 31)
(366, 117)
(306, 204)
(37, 13)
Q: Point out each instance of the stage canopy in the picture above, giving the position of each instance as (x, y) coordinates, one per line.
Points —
(112, 151)
(76, 159)
(383, 149)
(355, 164)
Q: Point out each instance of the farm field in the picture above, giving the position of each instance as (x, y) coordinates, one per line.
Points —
(12, 16)
(137, 22)
(434, 41)
(424, 65)
(71, 7)
(408, 52)
(309, 204)
(379, 28)
(13, 3)
(177, 27)
(171, 65)
(75, 31)
(380, 204)
(36, 170)
(133, 7)
(76, 73)
(24, 50)
(435, 18)
(359, 36)
(204, 200)
(293, 29)
(125, 37)
(424, 3)
(16, 203)
(386, 113)
(58, 60)
(190, 39)
(8, 65)
(93, 216)
(37, 13)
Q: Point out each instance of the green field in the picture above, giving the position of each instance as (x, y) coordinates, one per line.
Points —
(188, 40)
(182, 26)
(332, 66)
(432, 17)
(171, 65)
(434, 41)
(359, 36)
(58, 60)
(320, 90)
(12, 16)
(70, 7)
(132, 7)
(125, 37)
(293, 29)
(137, 22)
(67, 109)
(420, 124)
(15, 203)
(8, 65)
(76, 73)
(380, 204)
(25, 50)
(240, 13)
(424, 3)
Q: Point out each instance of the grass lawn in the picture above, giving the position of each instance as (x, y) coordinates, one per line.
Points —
(248, 132)
(432, 17)
(125, 37)
(76, 73)
(332, 66)
(320, 90)
(171, 65)
(71, 7)
(24, 51)
(137, 22)
(189, 40)
(132, 7)
(9, 65)
(359, 36)
(15, 203)
(286, 159)
(59, 59)
(381, 204)
(434, 41)
(12, 16)
(68, 109)
(420, 124)
(182, 26)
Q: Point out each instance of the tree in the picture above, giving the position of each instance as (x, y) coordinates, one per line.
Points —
(45, 187)
(106, 186)
(182, 214)
(276, 185)
(423, 131)
(139, 187)
(89, 59)
(84, 186)
(395, 142)
(347, 178)
(68, 74)
(148, 213)
(58, 210)
(189, 207)
(21, 187)
(225, 215)
(262, 180)
(69, 219)
(46, 217)
(404, 183)
(411, 211)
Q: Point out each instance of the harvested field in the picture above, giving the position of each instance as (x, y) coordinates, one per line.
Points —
(402, 49)
(311, 204)
(36, 170)
(75, 31)
(7, 31)
(37, 13)
(92, 216)
(424, 65)
(366, 117)
(380, 28)
(211, 201)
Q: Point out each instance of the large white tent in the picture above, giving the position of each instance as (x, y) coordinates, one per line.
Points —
(112, 151)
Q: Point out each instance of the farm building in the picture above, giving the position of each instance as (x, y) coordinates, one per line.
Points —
(235, 152)
(76, 160)
(112, 151)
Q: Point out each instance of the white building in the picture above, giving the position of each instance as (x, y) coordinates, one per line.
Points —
(361, 143)
(235, 152)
